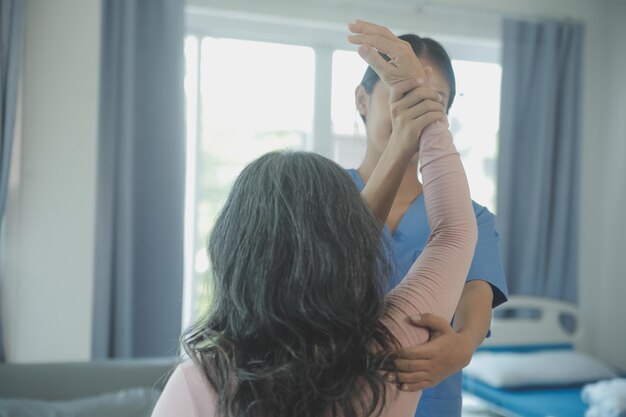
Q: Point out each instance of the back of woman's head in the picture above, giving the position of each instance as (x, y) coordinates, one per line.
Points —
(424, 48)
(299, 271)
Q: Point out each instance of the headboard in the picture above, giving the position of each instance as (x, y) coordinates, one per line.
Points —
(526, 321)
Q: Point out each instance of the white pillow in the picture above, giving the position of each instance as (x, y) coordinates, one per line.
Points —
(536, 369)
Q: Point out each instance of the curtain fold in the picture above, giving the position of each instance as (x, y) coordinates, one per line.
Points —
(141, 179)
(539, 157)
(12, 22)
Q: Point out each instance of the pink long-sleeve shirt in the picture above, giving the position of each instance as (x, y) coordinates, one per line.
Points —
(433, 284)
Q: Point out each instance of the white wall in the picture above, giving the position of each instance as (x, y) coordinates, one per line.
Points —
(609, 305)
(50, 215)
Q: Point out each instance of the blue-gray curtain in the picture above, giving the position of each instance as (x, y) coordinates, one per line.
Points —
(141, 176)
(12, 21)
(539, 156)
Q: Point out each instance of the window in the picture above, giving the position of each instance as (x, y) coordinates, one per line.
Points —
(243, 99)
(272, 87)
(474, 122)
(347, 127)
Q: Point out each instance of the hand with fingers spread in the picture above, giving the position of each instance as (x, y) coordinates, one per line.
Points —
(373, 40)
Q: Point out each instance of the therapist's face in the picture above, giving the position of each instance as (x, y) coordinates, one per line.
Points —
(378, 118)
(377, 113)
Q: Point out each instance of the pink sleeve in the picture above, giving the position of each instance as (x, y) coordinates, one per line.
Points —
(435, 281)
(186, 394)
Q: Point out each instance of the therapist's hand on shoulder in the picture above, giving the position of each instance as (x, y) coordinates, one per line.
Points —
(372, 39)
(424, 366)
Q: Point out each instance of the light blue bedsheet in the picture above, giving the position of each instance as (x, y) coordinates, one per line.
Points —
(535, 402)
(530, 402)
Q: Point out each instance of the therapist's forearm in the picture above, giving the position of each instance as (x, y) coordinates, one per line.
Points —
(472, 318)
(382, 186)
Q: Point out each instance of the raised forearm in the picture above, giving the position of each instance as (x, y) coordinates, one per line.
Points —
(473, 314)
(382, 186)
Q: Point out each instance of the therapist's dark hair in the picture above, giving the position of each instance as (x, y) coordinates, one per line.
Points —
(299, 277)
(423, 47)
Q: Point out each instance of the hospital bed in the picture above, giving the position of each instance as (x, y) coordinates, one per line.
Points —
(530, 325)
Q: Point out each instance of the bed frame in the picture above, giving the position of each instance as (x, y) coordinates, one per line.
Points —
(542, 321)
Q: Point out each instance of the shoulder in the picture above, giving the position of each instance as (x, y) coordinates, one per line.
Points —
(193, 374)
(202, 394)
(187, 393)
(485, 220)
(354, 176)
(482, 212)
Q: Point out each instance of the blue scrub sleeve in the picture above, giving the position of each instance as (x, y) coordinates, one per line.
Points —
(487, 265)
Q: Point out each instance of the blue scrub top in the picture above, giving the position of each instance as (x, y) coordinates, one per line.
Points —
(407, 243)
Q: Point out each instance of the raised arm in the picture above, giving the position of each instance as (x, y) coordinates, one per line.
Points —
(435, 282)
(403, 74)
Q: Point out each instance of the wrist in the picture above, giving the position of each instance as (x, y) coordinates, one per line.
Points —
(402, 147)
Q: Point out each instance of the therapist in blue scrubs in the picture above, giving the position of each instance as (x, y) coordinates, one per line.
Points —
(434, 366)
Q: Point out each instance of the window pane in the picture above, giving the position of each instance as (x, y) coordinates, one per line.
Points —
(254, 98)
(348, 129)
(474, 122)
(348, 69)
